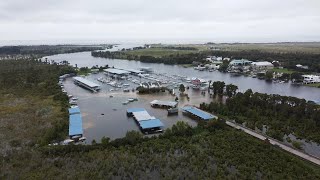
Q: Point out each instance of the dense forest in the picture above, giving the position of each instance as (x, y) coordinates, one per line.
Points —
(29, 95)
(171, 59)
(45, 49)
(282, 114)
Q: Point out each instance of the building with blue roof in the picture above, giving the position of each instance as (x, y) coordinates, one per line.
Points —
(150, 124)
(147, 124)
(75, 125)
(198, 113)
(130, 111)
(74, 110)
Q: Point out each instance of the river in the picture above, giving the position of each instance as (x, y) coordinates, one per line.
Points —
(84, 59)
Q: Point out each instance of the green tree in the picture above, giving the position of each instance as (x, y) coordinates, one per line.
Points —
(296, 77)
(231, 90)
(182, 88)
(269, 75)
(218, 87)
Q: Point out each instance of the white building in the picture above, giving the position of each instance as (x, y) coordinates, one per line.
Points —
(263, 65)
(308, 79)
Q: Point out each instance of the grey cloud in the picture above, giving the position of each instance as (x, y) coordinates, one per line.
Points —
(211, 19)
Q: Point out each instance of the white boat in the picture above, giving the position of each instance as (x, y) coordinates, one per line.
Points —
(73, 102)
(68, 141)
(126, 85)
(131, 99)
(125, 102)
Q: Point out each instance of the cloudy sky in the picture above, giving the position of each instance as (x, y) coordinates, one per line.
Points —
(161, 20)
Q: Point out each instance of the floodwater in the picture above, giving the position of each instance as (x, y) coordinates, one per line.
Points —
(106, 116)
(84, 59)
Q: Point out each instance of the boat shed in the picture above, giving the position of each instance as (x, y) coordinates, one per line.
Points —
(131, 110)
(75, 125)
(164, 104)
(142, 116)
(119, 72)
(197, 113)
(147, 124)
(74, 110)
(86, 83)
(133, 71)
(152, 123)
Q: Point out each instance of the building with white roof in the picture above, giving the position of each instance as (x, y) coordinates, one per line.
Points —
(309, 79)
(262, 65)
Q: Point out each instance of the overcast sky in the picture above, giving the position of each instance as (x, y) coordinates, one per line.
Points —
(142, 20)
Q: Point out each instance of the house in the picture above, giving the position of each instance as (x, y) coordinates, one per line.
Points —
(263, 65)
(309, 79)
(240, 62)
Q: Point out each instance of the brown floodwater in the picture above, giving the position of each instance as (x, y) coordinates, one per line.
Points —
(106, 116)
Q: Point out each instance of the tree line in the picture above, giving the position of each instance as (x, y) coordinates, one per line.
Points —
(281, 114)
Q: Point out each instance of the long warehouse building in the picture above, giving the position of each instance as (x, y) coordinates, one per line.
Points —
(75, 123)
(86, 84)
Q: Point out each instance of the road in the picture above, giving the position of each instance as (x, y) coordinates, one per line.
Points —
(275, 142)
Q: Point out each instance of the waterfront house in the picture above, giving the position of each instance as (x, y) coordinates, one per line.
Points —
(262, 65)
(309, 79)
(240, 62)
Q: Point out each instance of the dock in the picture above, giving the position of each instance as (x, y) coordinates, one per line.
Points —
(147, 123)
(75, 123)
(164, 104)
(198, 113)
(86, 84)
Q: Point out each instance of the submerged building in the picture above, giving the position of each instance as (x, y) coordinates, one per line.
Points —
(147, 124)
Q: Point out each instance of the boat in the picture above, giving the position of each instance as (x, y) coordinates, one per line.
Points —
(131, 99)
(126, 85)
(173, 111)
(125, 102)
(73, 102)
(68, 141)
(82, 139)
(74, 98)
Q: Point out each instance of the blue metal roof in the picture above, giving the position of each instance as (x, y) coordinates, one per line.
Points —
(74, 110)
(201, 114)
(151, 123)
(131, 110)
(75, 124)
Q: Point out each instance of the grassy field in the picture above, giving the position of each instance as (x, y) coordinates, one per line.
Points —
(159, 52)
(284, 70)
